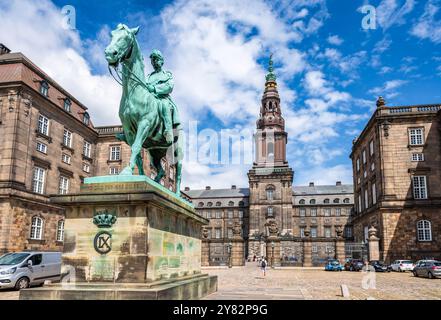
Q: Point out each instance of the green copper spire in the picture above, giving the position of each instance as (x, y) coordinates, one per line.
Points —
(271, 76)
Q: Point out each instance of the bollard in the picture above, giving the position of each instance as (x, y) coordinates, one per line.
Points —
(345, 291)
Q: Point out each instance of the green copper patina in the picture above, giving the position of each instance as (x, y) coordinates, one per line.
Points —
(148, 115)
(271, 76)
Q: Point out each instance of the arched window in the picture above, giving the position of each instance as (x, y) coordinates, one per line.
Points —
(60, 231)
(231, 203)
(302, 201)
(270, 150)
(270, 192)
(346, 200)
(241, 203)
(37, 228)
(326, 201)
(44, 88)
(209, 204)
(424, 230)
(336, 200)
(67, 104)
(86, 118)
(312, 201)
(200, 204)
(218, 204)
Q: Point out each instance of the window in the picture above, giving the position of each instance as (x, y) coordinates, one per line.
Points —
(302, 232)
(314, 232)
(87, 148)
(241, 203)
(65, 158)
(36, 259)
(326, 201)
(366, 233)
(358, 164)
(364, 156)
(313, 212)
(336, 200)
(374, 193)
(346, 200)
(217, 233)
(67, 138)
(270, 193)
(230, 232)
(240, 214)
(231, 203)
(359, 203)
(314, 248)
(115, 153)
(416, 136)
(230, 214)
(114, 170)
(312, 201)
(419, 187)
(327, 232)
(424, 230)
(209, 204)
(63, 187)
(270, 211)
(302, 212)
(218, 204)
(38, 180)
(371, 147)
(67, 105)
(43, 125)
(218, 214)
(338, 212)
(327, 212)
(86, 118)
(44, 88)
(417, 156)
(348, 232)
(60, 230)
(86, 168)
(200, 204)
(302, 201)
(37, 228)
(372, 166)
(366, 199)
(41, 147)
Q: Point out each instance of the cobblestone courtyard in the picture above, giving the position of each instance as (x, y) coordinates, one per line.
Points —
(248, 283)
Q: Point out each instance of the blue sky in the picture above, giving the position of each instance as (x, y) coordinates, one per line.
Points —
(330, 70)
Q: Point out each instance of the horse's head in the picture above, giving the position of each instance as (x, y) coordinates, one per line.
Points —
(120, 48)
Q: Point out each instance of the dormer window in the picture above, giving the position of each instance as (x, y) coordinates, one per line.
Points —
(44, 88)
(67, 104)
(86, 118)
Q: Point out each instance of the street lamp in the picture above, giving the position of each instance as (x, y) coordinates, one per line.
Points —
(272, 254)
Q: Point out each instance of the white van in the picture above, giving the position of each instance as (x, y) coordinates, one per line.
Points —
(21, 270)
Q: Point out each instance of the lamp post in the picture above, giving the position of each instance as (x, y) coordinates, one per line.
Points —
(230, 262)
(272, 254)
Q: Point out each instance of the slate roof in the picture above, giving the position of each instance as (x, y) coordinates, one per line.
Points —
(317, 190)
(218, 193)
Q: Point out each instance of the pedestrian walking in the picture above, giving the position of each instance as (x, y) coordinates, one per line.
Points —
(263, 265)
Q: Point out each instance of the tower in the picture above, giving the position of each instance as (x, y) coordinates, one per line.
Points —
(270, 178)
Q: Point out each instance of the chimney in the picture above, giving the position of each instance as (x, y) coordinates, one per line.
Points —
(187, 188)
(338, 183)
(233, 187)
(207, 188)
(4, 49)
(311, 184)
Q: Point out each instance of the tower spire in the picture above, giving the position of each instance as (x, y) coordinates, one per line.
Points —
(271, 76)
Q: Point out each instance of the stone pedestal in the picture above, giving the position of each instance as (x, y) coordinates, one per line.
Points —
(307, 253)
(374, 248)
(130, 232)
(205, 257)
(237, 252)
(273, 251)
(340, 253)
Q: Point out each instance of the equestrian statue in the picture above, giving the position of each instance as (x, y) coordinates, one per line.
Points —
(149, 117)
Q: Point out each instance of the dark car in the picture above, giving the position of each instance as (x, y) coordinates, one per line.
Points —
(427, 268)
(354, 265)
(379, 266)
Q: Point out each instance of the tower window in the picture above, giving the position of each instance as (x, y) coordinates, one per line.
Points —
(67, 104)
(44, 88)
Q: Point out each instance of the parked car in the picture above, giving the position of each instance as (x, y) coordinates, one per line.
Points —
(354, 265)
(333, 265)
(21, 270)
(402, 265)
(379, 266)
(427, 268)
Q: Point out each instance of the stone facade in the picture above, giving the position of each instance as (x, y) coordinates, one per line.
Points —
(397, 177)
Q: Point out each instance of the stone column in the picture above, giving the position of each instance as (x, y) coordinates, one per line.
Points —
(237, 252)
(307, 250)
(273, 251)
(374, 244)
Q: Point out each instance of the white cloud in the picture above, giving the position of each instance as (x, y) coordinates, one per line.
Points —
(325, 175)
(335, 40)
(393, 12)
(389, 88)
(59, 52)
(428, 25)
